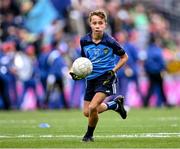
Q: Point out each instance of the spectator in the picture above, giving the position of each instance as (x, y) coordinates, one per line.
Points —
(55, 79)
(31, 77)
(7, 74)
(43, 65)
(154, 67)
(129, 72)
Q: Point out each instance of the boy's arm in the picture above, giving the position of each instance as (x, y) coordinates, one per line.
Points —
(123, 59)
(110, 74)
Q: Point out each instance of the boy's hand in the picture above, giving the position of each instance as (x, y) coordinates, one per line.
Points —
(110, 75)
(74, 76)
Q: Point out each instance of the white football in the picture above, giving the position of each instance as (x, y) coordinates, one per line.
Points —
(82, 67)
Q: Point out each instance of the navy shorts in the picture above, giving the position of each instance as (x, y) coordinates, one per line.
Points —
(96, 85)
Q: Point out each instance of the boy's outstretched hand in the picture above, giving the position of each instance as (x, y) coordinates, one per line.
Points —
(110, 75)
(74, 76)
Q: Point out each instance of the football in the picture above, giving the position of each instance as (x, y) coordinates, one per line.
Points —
(82, 67)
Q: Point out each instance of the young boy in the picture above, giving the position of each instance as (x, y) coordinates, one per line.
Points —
(100, 48)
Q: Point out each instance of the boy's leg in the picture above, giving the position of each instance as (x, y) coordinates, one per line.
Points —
(93, 115)
(91, 110)
(117, 105)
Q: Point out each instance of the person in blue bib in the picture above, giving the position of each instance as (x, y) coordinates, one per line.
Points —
(100, 48)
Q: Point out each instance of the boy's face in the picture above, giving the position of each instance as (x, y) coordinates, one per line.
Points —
(97, 24)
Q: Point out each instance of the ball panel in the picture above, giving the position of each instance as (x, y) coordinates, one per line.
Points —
(82, 67)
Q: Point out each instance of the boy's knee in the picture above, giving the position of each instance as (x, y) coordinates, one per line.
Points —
(92, 109)
(86, 113)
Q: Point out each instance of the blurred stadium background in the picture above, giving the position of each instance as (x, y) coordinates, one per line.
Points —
(39, 40)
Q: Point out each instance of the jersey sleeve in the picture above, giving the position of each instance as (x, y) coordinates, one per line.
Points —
(117, 49)
(82, 51)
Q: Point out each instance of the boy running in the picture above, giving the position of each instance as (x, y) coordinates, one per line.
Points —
(101, 49)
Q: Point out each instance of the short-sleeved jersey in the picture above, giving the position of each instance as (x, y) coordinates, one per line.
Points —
(102, 55)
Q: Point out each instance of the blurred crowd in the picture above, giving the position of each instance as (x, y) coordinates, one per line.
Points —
(39, 40)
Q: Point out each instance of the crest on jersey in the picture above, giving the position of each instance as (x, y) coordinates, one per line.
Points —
(106, 50)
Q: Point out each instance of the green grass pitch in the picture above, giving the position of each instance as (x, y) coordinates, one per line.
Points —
(144, 128)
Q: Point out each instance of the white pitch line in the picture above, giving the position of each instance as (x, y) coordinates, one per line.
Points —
(138, 135)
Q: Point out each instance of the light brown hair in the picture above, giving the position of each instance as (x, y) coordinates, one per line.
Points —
(101, 13)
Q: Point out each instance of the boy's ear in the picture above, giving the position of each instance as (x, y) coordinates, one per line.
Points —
(89, 22)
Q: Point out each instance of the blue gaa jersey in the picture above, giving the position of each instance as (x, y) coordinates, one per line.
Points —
(102, 55)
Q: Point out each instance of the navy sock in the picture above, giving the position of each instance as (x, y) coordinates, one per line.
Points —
(112, 105)
(90, 131)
